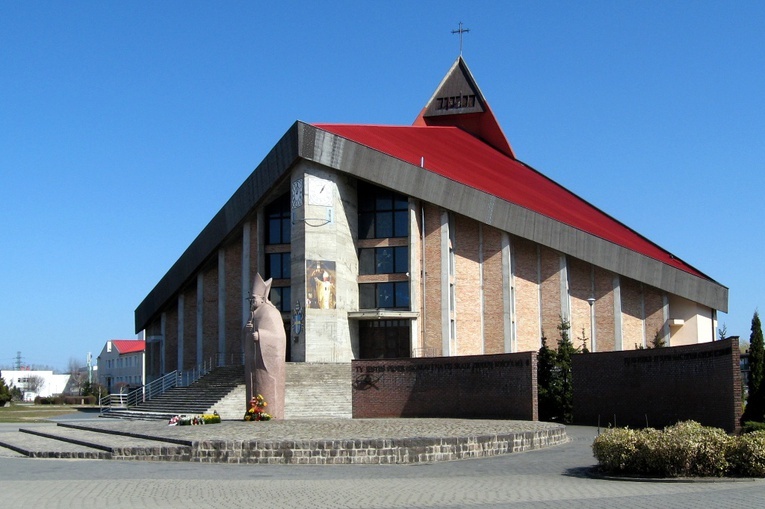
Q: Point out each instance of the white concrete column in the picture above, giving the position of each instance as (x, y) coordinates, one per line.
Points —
(446, 314)
(482, 302)
(617, 314)
(565, 300)
(508, 295)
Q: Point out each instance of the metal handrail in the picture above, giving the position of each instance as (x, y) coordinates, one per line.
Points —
(141, 394)
(163, 384)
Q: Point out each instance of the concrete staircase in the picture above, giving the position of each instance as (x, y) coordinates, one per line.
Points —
(317, 390)
(313, 391)
(202, 396)
(74, 441)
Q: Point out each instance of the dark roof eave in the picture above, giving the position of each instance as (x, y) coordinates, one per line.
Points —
(281, 157)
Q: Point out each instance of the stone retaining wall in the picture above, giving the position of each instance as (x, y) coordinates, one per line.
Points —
(374, 451)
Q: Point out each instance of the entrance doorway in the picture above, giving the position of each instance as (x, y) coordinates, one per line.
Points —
(384, 339)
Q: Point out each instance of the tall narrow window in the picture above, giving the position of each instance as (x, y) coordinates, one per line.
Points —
(383, 248)
(278, 256)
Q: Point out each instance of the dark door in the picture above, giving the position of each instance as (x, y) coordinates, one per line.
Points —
(384, 339)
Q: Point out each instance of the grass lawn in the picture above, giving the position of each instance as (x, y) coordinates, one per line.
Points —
(34, 413)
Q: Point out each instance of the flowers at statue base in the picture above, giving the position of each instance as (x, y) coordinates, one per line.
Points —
(194, 420)
(257, 412)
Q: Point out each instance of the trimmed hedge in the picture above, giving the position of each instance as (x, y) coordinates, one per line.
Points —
(685, 449)
(66, 400)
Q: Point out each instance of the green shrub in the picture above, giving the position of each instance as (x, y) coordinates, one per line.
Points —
(80, 400)
(615, 450)
(688, 449)
(685, 449)
(648, 460)
(750, 426)
(746, 455)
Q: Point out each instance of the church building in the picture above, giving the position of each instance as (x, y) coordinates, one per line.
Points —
(422, 240)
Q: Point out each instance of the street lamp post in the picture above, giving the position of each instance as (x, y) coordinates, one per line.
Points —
(593, 343)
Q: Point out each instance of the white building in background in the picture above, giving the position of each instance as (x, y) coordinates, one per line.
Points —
(121, 364)
(36, 383)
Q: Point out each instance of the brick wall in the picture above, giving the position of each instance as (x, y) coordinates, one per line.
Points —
(467, 278)
(189, 327)
(632, 313)
(653, 301)
(605, 328)
(432, 270)
(550, 292)
(526, 294)
(210, 312)
(478, 386)
(580, 289)
(493, 292)
(234, 296)
(171, 338)
(661, 386)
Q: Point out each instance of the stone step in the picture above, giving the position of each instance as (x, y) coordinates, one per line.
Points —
(318, 390)
(313, 390)
(118, 446)
(38, 446)
(137, 415)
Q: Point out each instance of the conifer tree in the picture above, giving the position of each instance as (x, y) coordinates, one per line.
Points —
(555, 389)
(5, 392)
(545, 382)
(755, 405)
(566, 350)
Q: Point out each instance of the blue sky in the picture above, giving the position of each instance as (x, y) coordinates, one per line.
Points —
(124, 127)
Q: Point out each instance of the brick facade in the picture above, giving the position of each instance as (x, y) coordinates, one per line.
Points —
(503, 301)
(210, 312)
(432, 341)
(493, 300)
(189, 328)
(580, 289)
(467, 277)
(171, 339)
(632, 314)
(527, 312)
(605, 330)
(235, 294)
(550, 294)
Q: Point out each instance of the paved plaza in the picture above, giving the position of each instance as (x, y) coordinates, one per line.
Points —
(551, 477)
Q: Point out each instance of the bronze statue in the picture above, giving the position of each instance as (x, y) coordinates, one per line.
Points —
(265, 345)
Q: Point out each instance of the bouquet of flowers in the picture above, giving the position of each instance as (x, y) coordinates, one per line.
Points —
(194, 420)
(257, 412)
(212, 418)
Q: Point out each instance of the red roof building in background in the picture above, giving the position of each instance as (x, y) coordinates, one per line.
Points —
(422, 240)
(121, 365)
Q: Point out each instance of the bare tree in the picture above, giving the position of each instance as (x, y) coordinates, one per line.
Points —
(77, 376)
(33, 383)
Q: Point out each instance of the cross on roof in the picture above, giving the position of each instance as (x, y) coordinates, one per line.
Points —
(460, 31)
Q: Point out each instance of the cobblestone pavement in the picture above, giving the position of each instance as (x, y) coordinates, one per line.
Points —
(553, 477)
(332, 429)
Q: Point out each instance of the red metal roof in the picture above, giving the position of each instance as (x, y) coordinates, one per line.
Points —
(459, 156)
(124, 346)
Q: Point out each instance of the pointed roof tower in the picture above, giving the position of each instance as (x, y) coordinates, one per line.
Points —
(458, 102)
